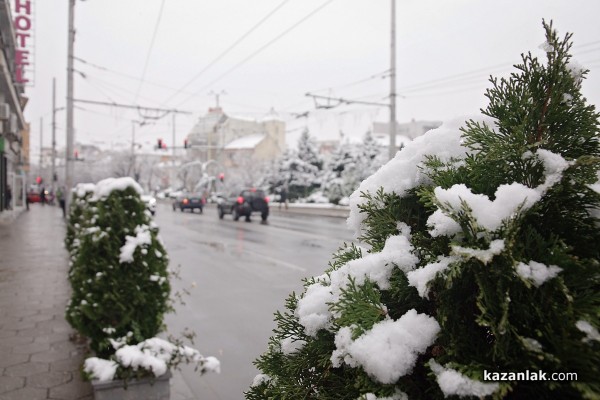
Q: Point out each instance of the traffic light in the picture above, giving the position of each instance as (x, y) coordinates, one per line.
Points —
(159, 144)
(185, 144)
(222, 177)
(76, 154)
(38, 180)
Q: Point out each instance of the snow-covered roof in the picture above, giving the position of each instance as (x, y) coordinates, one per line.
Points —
(246, 142)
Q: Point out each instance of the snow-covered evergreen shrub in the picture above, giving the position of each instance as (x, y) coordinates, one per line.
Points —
(119, 276)
(79, 198)
(480, 253)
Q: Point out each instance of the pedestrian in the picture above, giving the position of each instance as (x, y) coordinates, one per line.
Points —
(43, 195)
(60, 193)
(283, 197)
(8, 197)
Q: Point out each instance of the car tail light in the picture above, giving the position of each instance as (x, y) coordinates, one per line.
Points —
(185, 201)
(240, 200)
(267, 199)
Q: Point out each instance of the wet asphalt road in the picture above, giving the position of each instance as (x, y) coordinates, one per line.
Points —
(239, 274)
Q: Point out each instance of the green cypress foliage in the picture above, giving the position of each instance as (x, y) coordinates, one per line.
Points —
(505, 267)
(119, 276)
(79, 199)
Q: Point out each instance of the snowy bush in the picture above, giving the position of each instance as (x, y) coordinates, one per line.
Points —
(154, 357)
(79, 198)
(119, 275)
(479, 252)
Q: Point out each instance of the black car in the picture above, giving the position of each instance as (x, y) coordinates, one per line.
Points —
(189, 201)
(244, 203)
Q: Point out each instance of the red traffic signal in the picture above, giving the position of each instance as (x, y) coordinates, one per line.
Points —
(185, 144)
(159, 144)
(38, 180)
(221, 177)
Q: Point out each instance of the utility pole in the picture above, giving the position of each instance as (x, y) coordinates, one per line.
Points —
(217, 96)
(70, 128)
(53, 179)
(392, 150)
(41, 144)
(132, 162)
(172, 179)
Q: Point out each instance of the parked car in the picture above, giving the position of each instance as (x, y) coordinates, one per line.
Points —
(34, 195)
(191, 201)
(243, 204)
(150, 203)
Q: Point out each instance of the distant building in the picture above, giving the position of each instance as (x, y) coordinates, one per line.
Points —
(12, 122)
(404, 132)
(225, 139)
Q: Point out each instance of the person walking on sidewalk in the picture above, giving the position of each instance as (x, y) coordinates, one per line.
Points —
(8, 197)
(43, 195)
(60, 193)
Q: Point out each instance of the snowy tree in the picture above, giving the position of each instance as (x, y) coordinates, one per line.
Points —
(307, 150)
(479, 255)
(289, 171)
(343, 173)
(372, 155)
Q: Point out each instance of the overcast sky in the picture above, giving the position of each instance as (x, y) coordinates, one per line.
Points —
(265, 55)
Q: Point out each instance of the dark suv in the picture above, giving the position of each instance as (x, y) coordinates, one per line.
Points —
(245, 203)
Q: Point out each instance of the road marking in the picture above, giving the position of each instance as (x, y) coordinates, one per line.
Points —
(276, 261)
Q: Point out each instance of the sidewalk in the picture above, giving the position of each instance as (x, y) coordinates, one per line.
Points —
(37, 359)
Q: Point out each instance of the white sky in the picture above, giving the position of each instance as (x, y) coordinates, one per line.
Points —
(344, 42)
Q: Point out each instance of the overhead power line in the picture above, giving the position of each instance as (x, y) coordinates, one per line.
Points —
(261, 49)
(135, 78)
(231, 47)
(381, 75)
(160, 12)
(341, 101)
(165, 111)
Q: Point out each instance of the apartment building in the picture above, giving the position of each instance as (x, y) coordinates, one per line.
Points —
(12, 102)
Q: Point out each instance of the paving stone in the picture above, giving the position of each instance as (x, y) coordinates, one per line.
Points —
(41, 317)
(50, 356)
(26, 393)
(34, 332)
(17, 340)
(8, 360)
(31, 348)
(21, 312)
(6, 333)
(6, 322)
(4, 349)
(74, 390)
(27, 369)
(55, 337)
(53, 324)
(37, 358)
(70, 364)
(8, 383)
(24, 324)
(47, 380)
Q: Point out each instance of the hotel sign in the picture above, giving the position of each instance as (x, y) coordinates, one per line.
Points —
(24, 38)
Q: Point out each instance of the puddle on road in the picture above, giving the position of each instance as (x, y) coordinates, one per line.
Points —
(215, 245)
(311, 243)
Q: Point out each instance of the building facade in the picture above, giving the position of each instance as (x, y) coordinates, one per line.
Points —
(405, 132)
(12, 122)
(226, 140)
